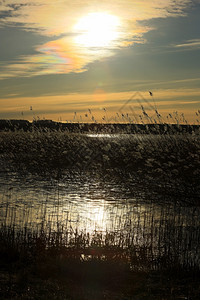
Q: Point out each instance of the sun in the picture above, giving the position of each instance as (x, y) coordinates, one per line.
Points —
(97, 30)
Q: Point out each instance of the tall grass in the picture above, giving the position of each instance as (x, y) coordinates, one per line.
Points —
(159, 249)
(174, 160)
(163, 238)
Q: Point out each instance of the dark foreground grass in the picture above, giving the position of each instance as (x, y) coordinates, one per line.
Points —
(35, 268)
(134, 285)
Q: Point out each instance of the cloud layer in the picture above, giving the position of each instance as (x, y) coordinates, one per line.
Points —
(56, 20)
(64, 106)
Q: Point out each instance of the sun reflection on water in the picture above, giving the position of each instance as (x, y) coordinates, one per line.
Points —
(92, 206)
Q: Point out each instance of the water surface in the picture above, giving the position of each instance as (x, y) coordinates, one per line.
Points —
(97, 204)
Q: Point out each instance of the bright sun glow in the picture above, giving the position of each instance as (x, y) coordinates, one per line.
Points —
(97, 30)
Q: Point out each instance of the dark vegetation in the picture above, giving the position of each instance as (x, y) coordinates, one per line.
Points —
(129, 128)
(36, 267)
(59, 263)
(174, 160)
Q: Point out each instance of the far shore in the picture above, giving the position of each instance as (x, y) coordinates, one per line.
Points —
(129, 128)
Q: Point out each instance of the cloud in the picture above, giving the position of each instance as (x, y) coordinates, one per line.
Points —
(59, 56)
(189, 44)
(53, 106)
(57, 20)
(56, 17)
(177, 93)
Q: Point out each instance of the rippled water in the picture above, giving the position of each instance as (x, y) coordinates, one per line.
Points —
(85, 201)
(92, 203)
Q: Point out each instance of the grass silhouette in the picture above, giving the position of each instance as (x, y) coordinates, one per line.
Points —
(52, 260)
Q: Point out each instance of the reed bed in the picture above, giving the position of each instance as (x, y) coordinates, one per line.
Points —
(161, 242)
(160, 254)
(160, 237)
(174, 160)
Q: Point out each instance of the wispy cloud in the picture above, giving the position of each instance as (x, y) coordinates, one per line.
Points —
(59, 17)
(189, 44)
(59, 56)
(52, 106)
(57, 20)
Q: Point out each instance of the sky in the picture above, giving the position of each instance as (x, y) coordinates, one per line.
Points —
(87, 60)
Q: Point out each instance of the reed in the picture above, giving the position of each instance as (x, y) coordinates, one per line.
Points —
(160, 241)
(174, 160)
(160, 255)
(161, 237)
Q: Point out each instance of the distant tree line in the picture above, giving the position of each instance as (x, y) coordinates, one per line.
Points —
(12, 125)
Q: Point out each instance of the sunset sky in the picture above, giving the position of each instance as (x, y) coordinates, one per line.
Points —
(87, 60)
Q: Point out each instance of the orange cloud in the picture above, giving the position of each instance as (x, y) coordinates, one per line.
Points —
(63, 106)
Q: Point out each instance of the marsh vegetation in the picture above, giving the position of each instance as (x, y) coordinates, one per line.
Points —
(85, 216)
